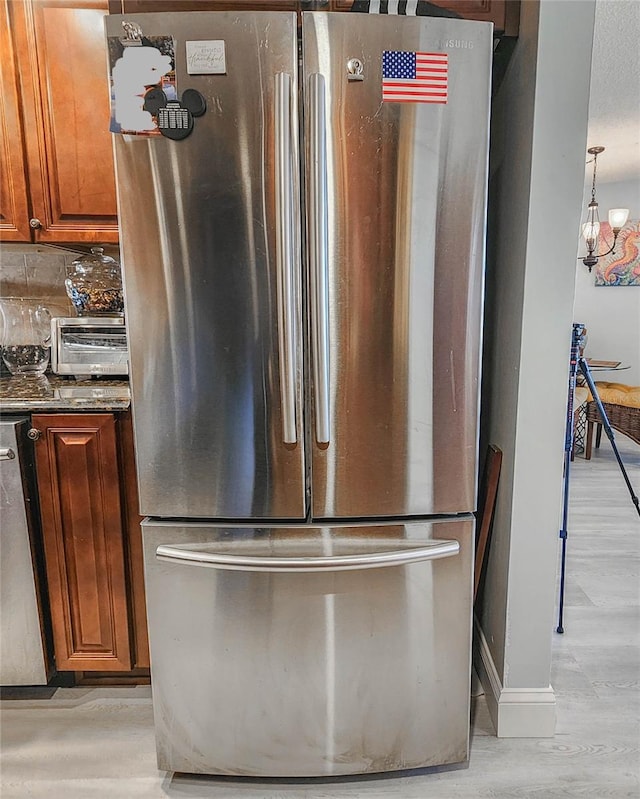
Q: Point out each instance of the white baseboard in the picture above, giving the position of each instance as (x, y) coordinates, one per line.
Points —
(515, 712)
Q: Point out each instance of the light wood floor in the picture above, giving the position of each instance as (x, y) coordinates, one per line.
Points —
(93, 743)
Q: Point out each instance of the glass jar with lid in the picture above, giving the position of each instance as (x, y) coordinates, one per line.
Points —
(25, 335)
(94, 285)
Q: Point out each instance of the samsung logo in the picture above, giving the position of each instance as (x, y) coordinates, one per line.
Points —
(457, 44)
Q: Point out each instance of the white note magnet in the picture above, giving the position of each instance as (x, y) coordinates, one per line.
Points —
(206, 58)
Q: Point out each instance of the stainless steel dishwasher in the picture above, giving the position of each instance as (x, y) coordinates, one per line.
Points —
(24, 649)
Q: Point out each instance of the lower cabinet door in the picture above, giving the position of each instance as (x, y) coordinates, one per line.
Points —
(78, 485)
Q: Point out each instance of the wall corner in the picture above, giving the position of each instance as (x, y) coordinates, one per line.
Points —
(515, 712)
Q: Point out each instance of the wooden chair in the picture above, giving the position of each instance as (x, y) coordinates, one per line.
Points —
(622, 406)
(486, 505)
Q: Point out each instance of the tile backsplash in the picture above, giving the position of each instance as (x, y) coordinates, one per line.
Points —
(39, 271)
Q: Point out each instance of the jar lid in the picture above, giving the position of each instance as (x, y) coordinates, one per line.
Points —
(96, 258)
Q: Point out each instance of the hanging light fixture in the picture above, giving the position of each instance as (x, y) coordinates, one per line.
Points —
(591, 228)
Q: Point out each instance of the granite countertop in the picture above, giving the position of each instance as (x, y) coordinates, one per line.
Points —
(49, 392)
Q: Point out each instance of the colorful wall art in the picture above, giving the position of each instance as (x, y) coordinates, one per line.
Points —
(622, 267)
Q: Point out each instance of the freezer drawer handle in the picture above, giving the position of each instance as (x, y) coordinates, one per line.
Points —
(195, 556)
(7, 454)
(285, 256)
(318, 254)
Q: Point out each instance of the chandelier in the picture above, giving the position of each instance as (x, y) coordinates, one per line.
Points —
(591, 228)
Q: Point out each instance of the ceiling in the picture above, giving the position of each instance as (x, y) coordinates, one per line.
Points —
(614, 102)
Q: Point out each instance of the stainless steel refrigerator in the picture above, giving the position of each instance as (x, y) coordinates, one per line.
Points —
(303, 285)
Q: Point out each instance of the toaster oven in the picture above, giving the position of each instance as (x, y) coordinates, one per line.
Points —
(89, 346)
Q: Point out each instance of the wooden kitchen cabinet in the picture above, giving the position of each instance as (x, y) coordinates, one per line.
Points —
(92, 541)
(61, 184)
(144, 6)
(141, 6)
(14, 206)
(505, 14)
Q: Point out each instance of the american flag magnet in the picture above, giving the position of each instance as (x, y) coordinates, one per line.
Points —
(409, 77)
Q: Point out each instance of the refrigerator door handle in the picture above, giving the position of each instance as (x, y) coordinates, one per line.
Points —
(318, 255)
(196, 556)
(285, 256)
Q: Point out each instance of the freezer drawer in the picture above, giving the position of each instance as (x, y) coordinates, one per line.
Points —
(309, 651)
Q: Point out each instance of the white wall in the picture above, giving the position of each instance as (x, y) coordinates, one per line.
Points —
(611, 313)
(537, 172)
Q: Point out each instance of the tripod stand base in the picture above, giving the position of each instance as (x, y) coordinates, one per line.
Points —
(577, 362)
(604, 419)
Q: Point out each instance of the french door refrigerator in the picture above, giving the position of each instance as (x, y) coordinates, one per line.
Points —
(303, 283)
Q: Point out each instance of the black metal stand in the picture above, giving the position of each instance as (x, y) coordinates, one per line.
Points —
(578, 362)
(576, 342)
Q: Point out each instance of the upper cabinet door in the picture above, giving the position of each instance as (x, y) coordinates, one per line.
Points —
(61, 61)
(14, 208)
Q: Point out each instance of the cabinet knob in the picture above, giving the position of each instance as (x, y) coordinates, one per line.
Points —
(36, 224)
(34, 434)
(7, 454)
